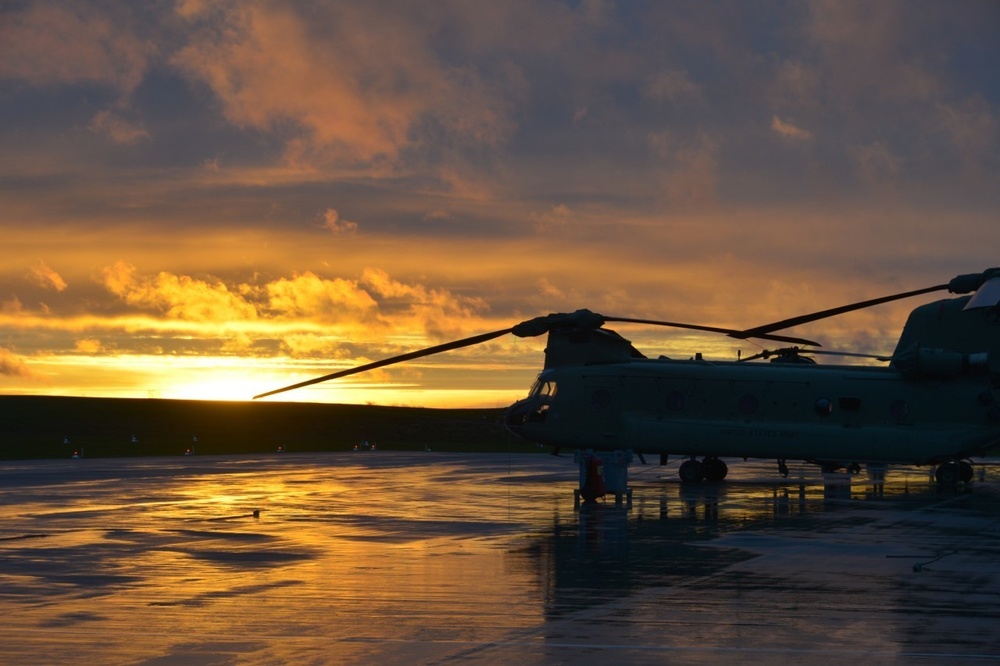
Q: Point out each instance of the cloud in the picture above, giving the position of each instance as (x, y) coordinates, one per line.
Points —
(352, 84)
(332, 221)
(788, 130)
(867, 53)
(875, 164)
(556, 218)
(306, 300)
(308, 295)
(973, 128)
(315, 346)
(796, 84)
(47, 278)
(176, 296)
(692, 178)
(11, 306)
(13, 365)
(118, 128)
(56, 43)
(89, 346)
(674, 86)
(435, 311)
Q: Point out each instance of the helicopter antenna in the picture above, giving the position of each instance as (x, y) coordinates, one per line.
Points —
(768, 353)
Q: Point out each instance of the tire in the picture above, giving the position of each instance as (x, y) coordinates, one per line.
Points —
(714, 469)
(691, 471)
(947, 474)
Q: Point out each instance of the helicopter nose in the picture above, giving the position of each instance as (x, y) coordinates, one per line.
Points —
(517, 415)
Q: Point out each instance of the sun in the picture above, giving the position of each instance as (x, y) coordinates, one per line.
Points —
(224, 387)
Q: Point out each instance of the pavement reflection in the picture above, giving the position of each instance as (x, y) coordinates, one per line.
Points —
(427, 558)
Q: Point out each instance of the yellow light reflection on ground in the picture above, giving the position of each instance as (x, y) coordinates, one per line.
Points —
(382, 557)
(172, 557)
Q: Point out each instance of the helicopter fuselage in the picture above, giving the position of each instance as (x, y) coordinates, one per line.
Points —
(829, 414)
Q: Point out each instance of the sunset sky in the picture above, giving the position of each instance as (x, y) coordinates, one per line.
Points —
(212, 199)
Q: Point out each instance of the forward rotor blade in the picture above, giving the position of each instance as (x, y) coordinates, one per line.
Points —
(731, 332)
(762, 331)
(409, 356)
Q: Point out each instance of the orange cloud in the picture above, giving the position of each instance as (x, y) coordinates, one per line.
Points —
(332, 221)
(13, 365)
(12, 306)
(556, 218)
(355, 92)
(54, 43)
(788, 130)
(47, 278)
(308, 295)
(436, 309)
(692, 177)
(118, 128)
(89, 346)
(176, 296)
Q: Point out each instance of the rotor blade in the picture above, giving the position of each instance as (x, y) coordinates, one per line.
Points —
(409, 356)
(762, 331)
(731, 332)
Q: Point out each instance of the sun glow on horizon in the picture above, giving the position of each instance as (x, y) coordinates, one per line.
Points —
(239, 379)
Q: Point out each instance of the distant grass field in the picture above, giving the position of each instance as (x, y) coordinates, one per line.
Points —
(56, 427)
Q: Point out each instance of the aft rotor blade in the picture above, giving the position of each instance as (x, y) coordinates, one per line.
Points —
(731, 332)
(409, 356)
(762, 331)
(768, 353)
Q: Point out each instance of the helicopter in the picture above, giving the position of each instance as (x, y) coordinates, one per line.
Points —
(936, 403)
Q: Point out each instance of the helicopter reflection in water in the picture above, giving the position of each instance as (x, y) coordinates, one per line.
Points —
(666, 538)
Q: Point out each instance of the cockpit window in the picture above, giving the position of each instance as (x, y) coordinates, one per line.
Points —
(543, 388)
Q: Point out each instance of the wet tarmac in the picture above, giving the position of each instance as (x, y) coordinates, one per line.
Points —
(430, 558)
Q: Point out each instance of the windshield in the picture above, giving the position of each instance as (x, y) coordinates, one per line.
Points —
(542, 387)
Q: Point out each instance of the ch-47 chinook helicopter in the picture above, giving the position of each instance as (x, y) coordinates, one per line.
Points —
(936, 403)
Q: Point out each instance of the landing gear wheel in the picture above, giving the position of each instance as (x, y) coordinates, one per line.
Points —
(714, 469)
(691, 471)
(965, 471)
(947, 474)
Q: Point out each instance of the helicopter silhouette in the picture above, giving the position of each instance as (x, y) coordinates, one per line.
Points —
(937, 402)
